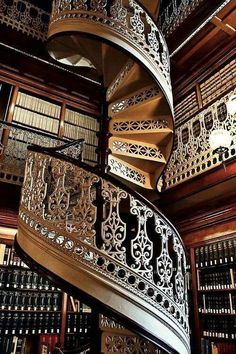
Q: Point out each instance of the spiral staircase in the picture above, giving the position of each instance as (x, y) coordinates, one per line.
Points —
(87, 227)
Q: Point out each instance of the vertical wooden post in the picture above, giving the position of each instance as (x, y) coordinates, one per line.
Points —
(103, 149)
(199, 96)
(10, 114)
(197, 329)
(96, 333)
(61, 128)
(63, 318)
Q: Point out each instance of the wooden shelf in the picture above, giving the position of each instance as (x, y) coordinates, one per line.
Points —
(33, 111)
(217, 290)
(217, 314)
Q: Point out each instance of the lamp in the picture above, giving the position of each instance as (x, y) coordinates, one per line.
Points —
(220, 141)
(231, 105)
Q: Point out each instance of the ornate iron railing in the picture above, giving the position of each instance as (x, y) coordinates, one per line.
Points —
(192, 154)
(125, 18)
(13, 149)
(175, 13)
(114, 232)
(25, 17)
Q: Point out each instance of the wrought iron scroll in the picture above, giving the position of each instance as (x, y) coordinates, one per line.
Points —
(25, 17)
(192, 155)
(61, 209)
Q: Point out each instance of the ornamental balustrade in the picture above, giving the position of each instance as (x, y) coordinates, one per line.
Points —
(25, 17)
(106, 227)
(192, 155)
(174, 14)
(13, 149)
(125, 18)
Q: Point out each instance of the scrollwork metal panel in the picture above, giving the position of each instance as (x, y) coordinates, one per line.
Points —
(193, 156)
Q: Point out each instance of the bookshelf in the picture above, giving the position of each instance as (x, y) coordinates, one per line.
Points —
(214, 293)
(34, 314)
(47, 114)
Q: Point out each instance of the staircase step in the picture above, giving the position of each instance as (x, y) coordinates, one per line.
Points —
(140, 103)
(136, 149)
(146, 130)
(130, 78)
(133, 174)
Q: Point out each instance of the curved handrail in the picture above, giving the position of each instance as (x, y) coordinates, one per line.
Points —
(53, 151)
(130, 20)
(110, 230)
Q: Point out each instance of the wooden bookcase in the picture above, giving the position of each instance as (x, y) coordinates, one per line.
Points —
(34, 314)
(54, 114)
(213, 267)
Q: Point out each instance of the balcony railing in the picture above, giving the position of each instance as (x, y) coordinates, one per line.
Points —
(25, 17)
(175, 13)
(113, 233)
(192, 154)
(13, 149)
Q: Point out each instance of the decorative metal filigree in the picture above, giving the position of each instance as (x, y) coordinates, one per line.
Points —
(164, 262)
(136, 21)
(113, 228)
(80, 4)
(192, 154)
(175, 13)
(129, 344)
(141, 246)
(142, 96)
(125, 171)
(179, 277)
(39, 190)
(82, 216)
(99, 6)
(128, 19)
(119, 12)
(137, 125)
(58, 201)
(15, 151)
(28, 18)
(136, 149)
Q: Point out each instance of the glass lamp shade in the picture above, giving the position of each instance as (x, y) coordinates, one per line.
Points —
(231, 105)
(220, 140)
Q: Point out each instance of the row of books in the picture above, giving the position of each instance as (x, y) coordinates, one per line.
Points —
(224, 279)
(74, 341)
(78, 323)
(222, 252)
(74, 132)
(224, 303)
(81, 119)
(12, 344)
(8, 256)
(29, 322)
(77, 306)
(30, 301)
(38, 105)
(45, 343)
(89, 153)
(25, 279)
(35, 120)
(209, 347)
(225, 328)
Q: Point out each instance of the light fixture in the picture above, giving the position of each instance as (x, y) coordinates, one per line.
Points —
(220, 141)
(231, 105)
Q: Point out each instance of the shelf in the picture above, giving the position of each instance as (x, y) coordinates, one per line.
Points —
(217, 290)
(36, 129)
(219, 338)
(217, 314)
(80, 126)
(11, 288)
(33, 111)
(29, 311)
(214, 266)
